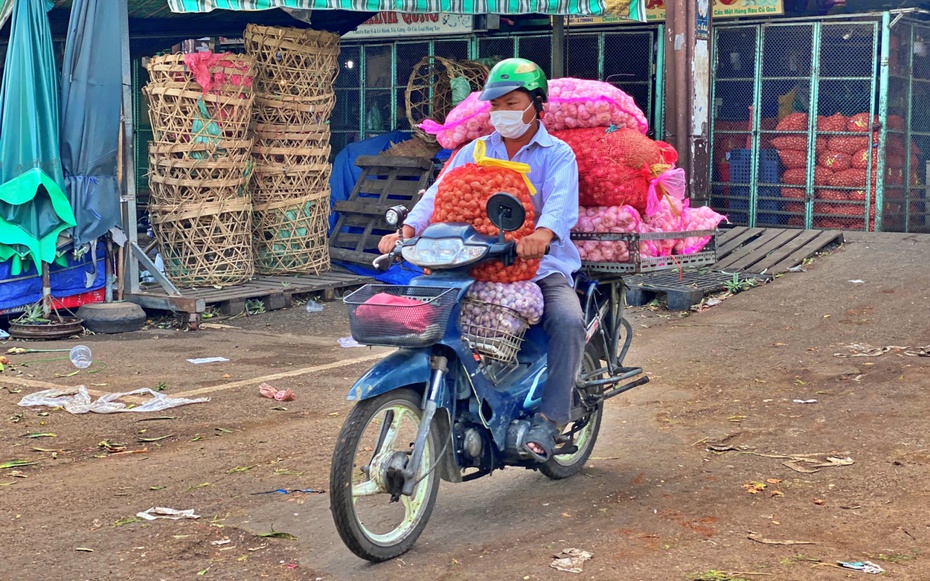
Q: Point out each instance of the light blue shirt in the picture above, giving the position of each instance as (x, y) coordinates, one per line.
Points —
(554, 173)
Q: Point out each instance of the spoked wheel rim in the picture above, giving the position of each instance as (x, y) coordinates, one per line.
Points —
(395, 425)
(583, 439)
(582, 442)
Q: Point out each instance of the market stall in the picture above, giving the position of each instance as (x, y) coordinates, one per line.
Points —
(839, 145)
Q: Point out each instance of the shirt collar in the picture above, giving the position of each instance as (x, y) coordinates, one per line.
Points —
(542, 138)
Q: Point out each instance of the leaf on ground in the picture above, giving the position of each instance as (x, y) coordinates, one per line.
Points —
(240, 469)
(41, 435)
(277, 535)
(157, 487)
(158, 418)
(754, 487)
(126, 521)
(203, 571)
(111, 446)
(204, 485)
(158, 439)
(286, 472)
(223, 430)
(84, 549)
(197, 438)
(16, 464)
(760, 539)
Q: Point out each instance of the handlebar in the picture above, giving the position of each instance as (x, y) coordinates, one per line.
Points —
(506, 252)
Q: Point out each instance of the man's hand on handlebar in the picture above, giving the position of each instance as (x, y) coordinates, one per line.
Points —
(534, 245)
(388, 241)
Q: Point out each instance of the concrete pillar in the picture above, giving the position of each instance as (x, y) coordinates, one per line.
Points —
(687, 82)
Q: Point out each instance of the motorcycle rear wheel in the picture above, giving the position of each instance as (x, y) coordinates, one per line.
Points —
(377, 437)
(562, 466)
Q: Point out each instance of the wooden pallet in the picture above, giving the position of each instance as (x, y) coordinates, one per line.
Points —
(386, 181)
(275, 292)
(747, 253)
(769, 251)
(681, 290)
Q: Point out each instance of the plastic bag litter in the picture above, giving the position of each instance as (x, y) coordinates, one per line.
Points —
(202, 360)
(348, 342)
(271, 392)
(79, 401)
(864, 566)
(157, 512)
(571, 560)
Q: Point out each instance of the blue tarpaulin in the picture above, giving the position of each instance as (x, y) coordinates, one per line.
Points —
(67, 279)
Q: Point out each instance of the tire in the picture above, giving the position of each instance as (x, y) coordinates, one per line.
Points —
(112, 317)
(563, 466)
(352, 453)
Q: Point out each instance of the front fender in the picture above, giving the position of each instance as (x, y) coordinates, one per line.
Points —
(400, 368)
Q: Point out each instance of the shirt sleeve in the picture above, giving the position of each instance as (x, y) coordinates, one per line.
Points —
(560, 194)
(421, 213)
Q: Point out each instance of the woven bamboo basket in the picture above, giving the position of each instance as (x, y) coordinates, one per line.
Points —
(307, 114)
(180, 115)
(270, 184)
(429, 89)
(234, 75)
(292, 61)
(285, 173)
(291, 235)
(207, 243)
(199, 172)
(267, 135)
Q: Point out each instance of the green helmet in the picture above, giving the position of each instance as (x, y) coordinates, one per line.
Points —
(512, 74)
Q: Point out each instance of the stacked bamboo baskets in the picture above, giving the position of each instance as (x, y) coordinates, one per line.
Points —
(200, 166)
(295, 72)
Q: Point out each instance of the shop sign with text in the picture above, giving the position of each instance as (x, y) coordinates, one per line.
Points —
(655, 11)
(401, 24)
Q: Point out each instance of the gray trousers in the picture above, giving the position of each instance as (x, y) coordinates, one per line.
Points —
(563, 321)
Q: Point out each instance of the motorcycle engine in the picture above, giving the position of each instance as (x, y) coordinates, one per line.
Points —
(516, 435)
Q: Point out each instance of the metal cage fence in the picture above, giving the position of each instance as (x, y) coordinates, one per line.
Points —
(627, 59)
(370, 88)
(805, 130)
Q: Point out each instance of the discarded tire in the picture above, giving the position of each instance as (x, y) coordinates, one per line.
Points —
(112, 317)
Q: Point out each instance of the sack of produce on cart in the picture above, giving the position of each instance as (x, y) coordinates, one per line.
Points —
(466, 122)
(583, 103)
(462, 196)
(614, 167)
(573, 104)
(702, 218)
(601, 219)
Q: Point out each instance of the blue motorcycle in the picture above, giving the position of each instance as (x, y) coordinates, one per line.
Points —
(454, 402)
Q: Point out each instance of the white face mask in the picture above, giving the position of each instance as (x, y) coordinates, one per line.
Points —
(510, 123)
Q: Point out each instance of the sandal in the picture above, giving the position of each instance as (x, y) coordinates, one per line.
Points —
(543, 433)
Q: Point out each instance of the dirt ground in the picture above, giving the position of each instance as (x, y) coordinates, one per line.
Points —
(686, 470)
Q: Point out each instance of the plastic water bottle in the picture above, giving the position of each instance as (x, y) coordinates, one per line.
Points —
(314, 307)
(80, 356)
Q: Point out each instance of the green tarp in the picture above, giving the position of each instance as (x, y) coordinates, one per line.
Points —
(33, 207)
(631, 9)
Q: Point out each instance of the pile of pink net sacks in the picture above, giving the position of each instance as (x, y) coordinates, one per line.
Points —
(628, 183)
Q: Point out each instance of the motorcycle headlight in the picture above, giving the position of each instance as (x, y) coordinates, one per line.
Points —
(440, 252)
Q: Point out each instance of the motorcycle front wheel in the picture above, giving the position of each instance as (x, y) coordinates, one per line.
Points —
(375, 521)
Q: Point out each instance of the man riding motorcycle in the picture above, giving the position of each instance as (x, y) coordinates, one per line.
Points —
(517, 89)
